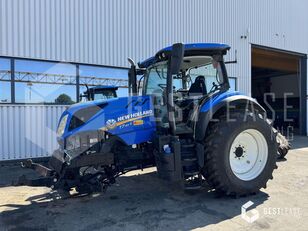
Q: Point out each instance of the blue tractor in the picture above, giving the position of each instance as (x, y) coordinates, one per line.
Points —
(186, 122)
(99, 93)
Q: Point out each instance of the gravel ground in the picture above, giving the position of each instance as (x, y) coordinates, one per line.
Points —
(141, 201)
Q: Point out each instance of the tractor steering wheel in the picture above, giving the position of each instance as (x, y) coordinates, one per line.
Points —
(164, 86)
(214, 87)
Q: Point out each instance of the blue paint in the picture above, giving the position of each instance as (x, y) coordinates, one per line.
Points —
(201, 46)
(189, 46)
(115, 109)
(118, 107)
(217, 99)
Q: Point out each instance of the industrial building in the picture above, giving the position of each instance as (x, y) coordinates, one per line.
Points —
(54, 47)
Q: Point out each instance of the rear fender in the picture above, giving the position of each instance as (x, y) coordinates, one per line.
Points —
(231, 103)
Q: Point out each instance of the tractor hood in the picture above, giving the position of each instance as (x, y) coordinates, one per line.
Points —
(78, 106)
(122, 117)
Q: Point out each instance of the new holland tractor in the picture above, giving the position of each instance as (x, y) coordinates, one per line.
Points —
(186, 122)
(99, 93)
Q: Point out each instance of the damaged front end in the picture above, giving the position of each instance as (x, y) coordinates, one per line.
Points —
(98, 141)
(84, 159)
(85, 168)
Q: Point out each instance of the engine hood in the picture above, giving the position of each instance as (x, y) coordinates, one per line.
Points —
(75, 107)
(123, 116)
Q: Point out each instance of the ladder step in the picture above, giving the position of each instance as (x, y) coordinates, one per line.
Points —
(188, 154)
(189, 159)
(183, 129)
(190, 162)
(188, 145)
(191, 173)
(190, 165)
(188, 187)
(193, 184)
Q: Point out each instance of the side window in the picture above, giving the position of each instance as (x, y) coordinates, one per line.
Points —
(212, 74)
(233, 83)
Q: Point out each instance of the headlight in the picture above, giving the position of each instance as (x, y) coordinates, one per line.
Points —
(81, 142)
(62, 125)
(72, 142)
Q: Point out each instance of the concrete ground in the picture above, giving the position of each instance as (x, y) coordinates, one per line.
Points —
(143, 202)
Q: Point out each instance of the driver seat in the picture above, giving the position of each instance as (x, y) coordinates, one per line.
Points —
(198, 87)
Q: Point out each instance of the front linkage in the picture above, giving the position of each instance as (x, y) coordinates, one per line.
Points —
(75, 173)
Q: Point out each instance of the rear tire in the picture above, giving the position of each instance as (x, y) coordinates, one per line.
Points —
(240, 155)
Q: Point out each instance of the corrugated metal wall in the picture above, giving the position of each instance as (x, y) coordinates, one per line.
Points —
(107, 32)
(28, 130)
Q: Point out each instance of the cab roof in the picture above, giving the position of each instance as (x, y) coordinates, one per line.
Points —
(190, 49)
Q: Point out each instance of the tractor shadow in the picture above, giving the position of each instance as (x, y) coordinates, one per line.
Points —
(142, 202)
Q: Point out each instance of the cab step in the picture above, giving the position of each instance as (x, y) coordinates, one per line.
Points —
(191, 170)
(193, 184)
(189, 161)
(183, 129)
(191, 173)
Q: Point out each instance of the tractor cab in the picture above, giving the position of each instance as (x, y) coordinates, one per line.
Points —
(99, 93)
(179, 83)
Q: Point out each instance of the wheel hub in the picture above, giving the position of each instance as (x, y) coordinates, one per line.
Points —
(239, 151)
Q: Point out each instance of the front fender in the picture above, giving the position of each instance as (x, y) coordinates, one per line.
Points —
(225, 104)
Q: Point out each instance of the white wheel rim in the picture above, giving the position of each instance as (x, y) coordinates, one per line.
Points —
(248, 154)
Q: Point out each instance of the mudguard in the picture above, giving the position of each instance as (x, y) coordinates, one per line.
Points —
(228, 100)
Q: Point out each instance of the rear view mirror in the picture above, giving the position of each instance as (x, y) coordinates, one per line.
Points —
(132, 78)
(177, 54)
(174, 67)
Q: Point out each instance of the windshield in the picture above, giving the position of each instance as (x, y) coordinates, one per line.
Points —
(195, 69)
(157, 79)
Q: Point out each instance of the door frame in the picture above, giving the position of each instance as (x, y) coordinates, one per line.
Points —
(302, 83)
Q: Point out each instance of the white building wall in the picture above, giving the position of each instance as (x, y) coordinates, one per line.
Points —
(107, 32)
(28, 131)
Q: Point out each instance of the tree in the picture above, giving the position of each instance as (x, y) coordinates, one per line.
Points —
(64, 99)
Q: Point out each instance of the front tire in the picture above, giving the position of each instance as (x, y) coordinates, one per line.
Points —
(240, 155)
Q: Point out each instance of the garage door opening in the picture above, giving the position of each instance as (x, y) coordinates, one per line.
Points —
(276, 83)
